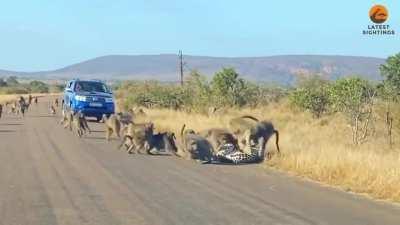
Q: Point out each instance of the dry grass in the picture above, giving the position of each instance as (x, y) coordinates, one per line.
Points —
(319, 149)
(5, 98)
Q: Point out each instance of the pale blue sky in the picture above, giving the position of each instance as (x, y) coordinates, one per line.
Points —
(49, 34)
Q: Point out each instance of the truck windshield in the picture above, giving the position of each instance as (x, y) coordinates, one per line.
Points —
(89, 86)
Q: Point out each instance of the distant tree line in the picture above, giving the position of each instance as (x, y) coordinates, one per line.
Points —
(11, 85)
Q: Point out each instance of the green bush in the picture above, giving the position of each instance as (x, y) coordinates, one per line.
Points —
(350, 95)
(312, 94)
(38, 87)
(355, 98)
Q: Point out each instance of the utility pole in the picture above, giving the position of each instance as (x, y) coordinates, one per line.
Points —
(181, 65)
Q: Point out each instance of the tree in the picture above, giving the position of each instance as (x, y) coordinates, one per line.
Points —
(2, 83)
(387, 94)
(390, 89)
(38, 87)
(391, 71)
(354, 97)
(12, 81)
(312, 95)
(198, 91)
(228, 88)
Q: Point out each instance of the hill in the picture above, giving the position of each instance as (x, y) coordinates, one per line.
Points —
(279, 69)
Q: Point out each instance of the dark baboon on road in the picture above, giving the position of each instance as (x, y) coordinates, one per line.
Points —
(163, 142)
(252, 133)
(1, 110)
(113, 125)
(52, 110)
(197, 146)
(258, 136)
(137, 137)
(125, 118)
(22, 105)
(80, 124)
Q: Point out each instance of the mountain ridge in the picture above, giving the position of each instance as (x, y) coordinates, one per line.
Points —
(282, 69)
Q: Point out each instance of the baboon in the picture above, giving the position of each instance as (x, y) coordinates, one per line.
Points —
(137, 137)
(211, 111)
(163, 142)
(13, 108)
(137, 112)
(196, 146)
(36, 100)
(112, 126)
(80, 124)
(240, 124)
(1, 110)
(83, 123)
(66, 119)
(218, 137)
(258, 136)
(21, 105)
(27, 106)
(52, 110)
(125, 118)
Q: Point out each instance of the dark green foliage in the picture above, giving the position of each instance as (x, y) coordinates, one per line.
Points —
(226, 89)
(38, 87)
(12, 81)
(2, 83)
(13, 86)
(229, 88)
(350, 95)
(312, 94)
(355, 98)
(391, 71)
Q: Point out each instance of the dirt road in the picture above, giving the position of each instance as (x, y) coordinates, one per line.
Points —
(48, 176)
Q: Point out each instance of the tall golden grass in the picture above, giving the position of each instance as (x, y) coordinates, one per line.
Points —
(5, 98)
(12, 97)
(319, 149)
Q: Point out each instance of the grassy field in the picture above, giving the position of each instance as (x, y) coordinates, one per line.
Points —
(5, 98)
(319, 149)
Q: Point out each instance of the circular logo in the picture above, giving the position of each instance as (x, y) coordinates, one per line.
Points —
(378, 14)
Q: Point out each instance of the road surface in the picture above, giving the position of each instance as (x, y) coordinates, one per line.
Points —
(48, 176)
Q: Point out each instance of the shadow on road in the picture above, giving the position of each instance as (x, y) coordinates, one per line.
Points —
(7, 131)
(41, 116)
(98, 131)
(95, 138)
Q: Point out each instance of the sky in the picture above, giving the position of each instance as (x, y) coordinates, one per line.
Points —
(50, 34)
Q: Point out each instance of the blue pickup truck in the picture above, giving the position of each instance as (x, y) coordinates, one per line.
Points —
(91, 97)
